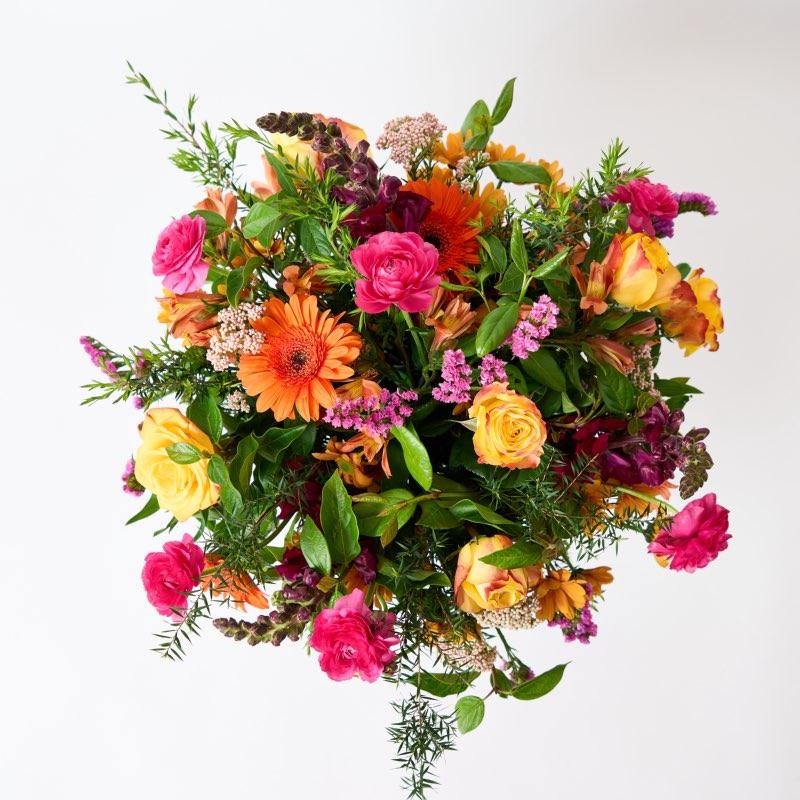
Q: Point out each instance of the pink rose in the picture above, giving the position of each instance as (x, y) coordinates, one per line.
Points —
(398, 269)
(695, 536)
(178, 256)
(353, 640)
(646, 200)
(168, 577)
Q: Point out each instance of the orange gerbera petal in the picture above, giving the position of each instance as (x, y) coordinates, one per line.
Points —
(303, 351)
(451, 225)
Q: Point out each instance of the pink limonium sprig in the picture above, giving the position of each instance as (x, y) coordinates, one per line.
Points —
(538, 325)
(374, 415)
(456, 379)
(493, 369)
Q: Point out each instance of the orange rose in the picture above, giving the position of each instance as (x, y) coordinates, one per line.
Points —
(509, 430)
(482, 587)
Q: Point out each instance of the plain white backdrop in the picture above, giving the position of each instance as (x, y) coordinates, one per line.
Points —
(690, 689)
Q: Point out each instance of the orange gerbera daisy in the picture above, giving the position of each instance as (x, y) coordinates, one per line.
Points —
(451, 225)
(303, 351)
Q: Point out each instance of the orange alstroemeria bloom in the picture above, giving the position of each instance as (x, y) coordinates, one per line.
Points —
(223, 204)
(269, 186)
(360, 460)
(305, 284)
(607, 351)
(238, 586)
(303, 352)
(191, 317)
(560, 593)
(693, 314)
(450, 322)
(595, 289)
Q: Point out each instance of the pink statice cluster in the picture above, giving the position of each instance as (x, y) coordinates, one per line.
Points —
(405, 136)
(456, 379)
(539, 324)
(100, 358)
(492, 369)
(581, 628)
(374, 415)
(129, 482)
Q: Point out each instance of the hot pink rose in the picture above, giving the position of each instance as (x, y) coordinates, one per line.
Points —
(168, 577)
(696, 535)
(646, 200)
(353, 640)
(178, 256)
(399, 269)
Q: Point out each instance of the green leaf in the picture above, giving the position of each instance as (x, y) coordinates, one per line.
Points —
(263, 217)
(149, 508)
(469, 713)
(519, 172)
(684, 269)
(241, 466)
(228, 494)
(183, 453)
(313, 239)
(496, 250)
(470, 511)
(205, 413)
(314, 547)
(339, 523)
(215, 224)
(615, 389)
(415, 455)
(443, 684)
(552, 264)
(503, 104)
(520, 554)
(436, 516)
(378, 512)
(284, 181)
(542, 366)
(674, 387)
(517, 271)
(479, 109)
(540, 685)
(234, 284)
(495, 328)
(275, 440)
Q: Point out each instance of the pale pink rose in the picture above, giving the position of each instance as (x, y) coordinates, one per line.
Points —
(353, 640)
(168, 577)
(398, 269)
(695, 536)
(178, 257)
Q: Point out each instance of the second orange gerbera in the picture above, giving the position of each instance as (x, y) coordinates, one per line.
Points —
(303, 351)
(451, 225)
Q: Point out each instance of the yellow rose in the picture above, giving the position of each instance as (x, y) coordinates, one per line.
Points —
(481, 587)
(643, 274)
(509, 431)
(182, 489)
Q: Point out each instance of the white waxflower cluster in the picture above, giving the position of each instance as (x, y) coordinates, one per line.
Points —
(234, 335)
(522, 615)
(405, 136)
(468, 654)
(237, 403)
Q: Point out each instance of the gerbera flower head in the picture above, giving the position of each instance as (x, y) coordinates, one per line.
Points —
(451, 225)
(302, 352)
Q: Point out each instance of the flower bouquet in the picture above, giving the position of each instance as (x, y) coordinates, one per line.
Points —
(417, 402)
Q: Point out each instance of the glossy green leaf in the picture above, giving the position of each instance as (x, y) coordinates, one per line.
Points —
(315, 547)
(228, 494)
(469, 712)
(443, 684)
(519, 172)
(183, 453)
(520, 554)
(542, 366)
(275, 440)
(313, 239)
(339, 523)
(262, 218)
(616, 390)
(552, 265)
(149, 508)
(205, 413)
(479, 109)
(415, 455)
(540, 685)
(504, 101)
(241, 466)
(470, 511)
(495, 328)
(215, 223)
(436, 516)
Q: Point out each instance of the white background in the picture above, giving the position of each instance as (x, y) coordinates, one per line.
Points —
(690, 689)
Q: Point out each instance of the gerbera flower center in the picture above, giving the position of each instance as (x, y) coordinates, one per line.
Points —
(297, 356)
